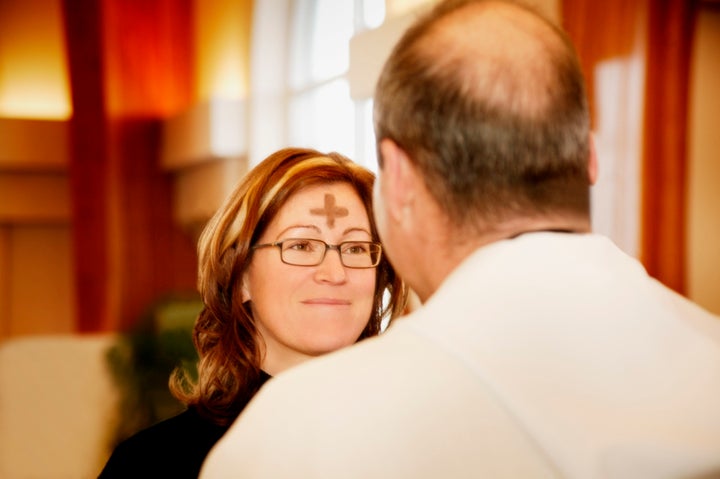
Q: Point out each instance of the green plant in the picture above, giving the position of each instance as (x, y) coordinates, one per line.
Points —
(143, 358)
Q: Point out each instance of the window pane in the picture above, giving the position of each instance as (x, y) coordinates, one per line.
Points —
(321, 113)
(322, 31)
(367, 150)
(323, 118)
(373, 13)
(331, 38)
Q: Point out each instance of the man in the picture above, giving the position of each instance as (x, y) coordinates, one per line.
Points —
(541, 350)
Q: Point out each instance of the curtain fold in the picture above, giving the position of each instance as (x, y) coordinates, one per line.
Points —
(660, 32)
(664, 173)
(130, 64)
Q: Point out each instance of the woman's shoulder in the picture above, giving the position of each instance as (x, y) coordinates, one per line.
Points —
(184, 439)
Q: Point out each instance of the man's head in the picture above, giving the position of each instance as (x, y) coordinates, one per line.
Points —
(486, 102)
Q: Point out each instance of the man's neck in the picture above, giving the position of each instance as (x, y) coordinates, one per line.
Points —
(455, 246)
(518, 227)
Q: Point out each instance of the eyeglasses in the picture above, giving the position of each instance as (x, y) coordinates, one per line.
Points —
(311, 252)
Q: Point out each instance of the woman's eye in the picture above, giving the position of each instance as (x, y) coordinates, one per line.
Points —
(302, 245)
(355, 248)
(299, 245)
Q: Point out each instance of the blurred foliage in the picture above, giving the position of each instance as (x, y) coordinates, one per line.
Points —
(142, 359)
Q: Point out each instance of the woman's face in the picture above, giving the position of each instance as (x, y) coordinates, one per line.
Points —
(305, 311)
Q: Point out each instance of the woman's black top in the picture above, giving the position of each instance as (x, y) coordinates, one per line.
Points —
(175, 447)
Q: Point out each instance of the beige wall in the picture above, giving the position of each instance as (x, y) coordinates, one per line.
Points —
(703, 254)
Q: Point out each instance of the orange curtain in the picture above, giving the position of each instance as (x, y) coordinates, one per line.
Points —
(664, 199)
(130, 65)
(602, 31)
(661, 32)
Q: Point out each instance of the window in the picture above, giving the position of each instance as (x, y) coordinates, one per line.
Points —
(299, 88)
(320, 112)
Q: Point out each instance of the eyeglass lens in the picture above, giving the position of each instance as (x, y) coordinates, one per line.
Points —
(309, 252)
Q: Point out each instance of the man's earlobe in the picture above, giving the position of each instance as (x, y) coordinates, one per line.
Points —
(592, 161)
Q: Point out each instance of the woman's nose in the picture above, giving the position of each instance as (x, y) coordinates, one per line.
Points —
(331, 268)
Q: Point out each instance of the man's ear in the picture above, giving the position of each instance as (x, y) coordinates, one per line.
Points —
(398, 179)
(592, 161)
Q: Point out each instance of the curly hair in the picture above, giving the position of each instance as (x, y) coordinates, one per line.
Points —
(225, 334)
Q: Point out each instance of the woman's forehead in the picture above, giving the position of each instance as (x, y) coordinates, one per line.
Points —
(326, 205)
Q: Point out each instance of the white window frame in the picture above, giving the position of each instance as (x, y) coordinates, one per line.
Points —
(270, 92)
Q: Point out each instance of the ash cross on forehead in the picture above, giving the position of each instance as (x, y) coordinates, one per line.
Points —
(330, 210)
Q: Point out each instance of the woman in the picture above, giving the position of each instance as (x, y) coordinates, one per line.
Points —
(289, 268)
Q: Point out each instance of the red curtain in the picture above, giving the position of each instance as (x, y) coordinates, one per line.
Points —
(664, 173)
(130, 66)
(661, 31)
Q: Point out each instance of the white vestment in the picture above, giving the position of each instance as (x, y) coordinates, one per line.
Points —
(548, 355)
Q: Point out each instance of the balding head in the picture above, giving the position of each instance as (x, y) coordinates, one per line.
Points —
(487, 99)
(494, 48)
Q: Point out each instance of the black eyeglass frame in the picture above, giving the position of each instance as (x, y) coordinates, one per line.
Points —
(336, 247)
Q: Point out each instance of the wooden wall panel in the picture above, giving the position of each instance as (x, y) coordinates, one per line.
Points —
(27, 198)
(41, 286)
(5, 274)
(33, 145)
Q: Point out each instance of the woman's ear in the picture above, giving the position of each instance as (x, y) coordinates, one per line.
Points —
(244, 289)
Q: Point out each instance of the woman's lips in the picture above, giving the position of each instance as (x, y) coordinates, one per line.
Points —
(327, 302)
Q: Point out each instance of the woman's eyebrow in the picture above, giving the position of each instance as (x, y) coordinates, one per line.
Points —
(347, 231)
(312, 227)
(354, 229)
